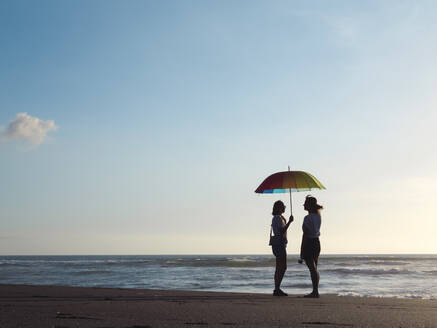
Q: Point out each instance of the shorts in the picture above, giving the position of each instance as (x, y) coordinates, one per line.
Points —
(279, 250)
(311, 249)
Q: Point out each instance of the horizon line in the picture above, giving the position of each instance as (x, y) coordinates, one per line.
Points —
(215, 254)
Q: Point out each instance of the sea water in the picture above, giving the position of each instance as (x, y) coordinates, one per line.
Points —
(403, 276)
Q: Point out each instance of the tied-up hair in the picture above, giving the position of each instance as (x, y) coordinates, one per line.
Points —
(312, 205)
(278, 208)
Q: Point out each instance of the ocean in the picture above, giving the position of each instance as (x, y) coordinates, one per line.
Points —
(401, 276)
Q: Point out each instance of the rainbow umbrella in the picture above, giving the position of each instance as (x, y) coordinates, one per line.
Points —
(289, 181)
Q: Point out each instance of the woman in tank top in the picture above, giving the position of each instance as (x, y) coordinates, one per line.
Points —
(279, 244)
(310, 248)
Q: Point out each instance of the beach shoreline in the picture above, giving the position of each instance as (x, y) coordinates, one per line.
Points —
(63, 306)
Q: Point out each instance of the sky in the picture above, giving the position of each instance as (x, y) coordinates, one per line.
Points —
(144, 127)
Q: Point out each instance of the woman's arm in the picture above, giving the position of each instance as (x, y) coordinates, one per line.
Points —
(284, 228)
(301, 249)
(305, 229)
(305, 224)
(305, 233)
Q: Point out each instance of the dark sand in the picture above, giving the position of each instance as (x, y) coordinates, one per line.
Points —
(52, 306)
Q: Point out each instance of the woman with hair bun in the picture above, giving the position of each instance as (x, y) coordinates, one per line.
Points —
(310, 248)
(279, 243)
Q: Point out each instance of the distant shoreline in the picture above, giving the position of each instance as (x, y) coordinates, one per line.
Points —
(38, 306)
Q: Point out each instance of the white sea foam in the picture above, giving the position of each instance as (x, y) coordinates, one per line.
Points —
(371, 272)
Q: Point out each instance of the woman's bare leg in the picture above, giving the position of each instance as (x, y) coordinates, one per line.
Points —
(315, 276)
(281, 267)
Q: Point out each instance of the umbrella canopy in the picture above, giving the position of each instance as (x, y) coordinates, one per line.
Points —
(288, 181)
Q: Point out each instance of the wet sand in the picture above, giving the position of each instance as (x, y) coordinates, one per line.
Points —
(61, 307)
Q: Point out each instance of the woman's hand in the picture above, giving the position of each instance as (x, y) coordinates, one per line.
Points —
(284, 228)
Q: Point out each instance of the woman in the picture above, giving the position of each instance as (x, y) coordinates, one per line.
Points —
(279, 242)
(310, 248)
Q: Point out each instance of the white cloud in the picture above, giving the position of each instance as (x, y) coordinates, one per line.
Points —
(29, 129)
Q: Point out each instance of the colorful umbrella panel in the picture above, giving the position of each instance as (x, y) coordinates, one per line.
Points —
(289, 181)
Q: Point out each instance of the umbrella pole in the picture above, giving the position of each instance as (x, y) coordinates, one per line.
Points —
(291, 205)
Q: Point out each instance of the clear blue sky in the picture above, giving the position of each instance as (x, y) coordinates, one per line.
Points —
(170, 113)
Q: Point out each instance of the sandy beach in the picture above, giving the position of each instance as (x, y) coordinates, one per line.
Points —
(54, 306)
